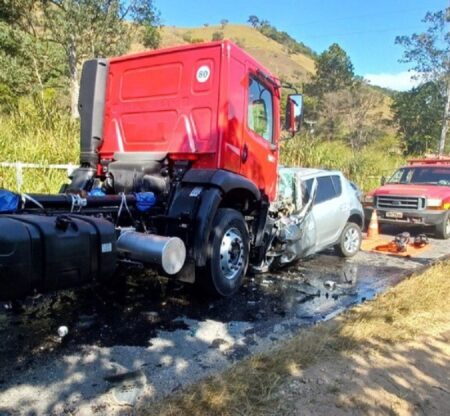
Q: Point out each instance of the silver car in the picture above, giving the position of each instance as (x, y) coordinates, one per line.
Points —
(315, 209)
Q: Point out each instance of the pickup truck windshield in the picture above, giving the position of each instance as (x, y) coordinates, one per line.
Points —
(432, 175)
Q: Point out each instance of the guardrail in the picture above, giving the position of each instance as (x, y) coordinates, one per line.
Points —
(20, 166)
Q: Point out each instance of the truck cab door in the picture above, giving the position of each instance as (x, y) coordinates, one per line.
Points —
(259, 149)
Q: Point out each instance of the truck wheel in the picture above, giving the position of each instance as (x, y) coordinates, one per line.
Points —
(442, 230)
(228, 252)
(350, 240)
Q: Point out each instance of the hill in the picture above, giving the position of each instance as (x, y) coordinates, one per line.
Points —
(290, 67)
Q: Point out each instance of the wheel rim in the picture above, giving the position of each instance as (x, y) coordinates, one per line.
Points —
(447, 226)
(351, 240)
(232, 253)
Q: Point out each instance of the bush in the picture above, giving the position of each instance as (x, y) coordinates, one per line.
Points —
(292, 46)
(217, 36)
(364, 167)
(187, 37)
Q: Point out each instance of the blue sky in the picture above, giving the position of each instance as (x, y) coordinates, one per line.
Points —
(365, 29)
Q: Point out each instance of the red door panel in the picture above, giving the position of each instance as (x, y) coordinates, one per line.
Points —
(259, 157)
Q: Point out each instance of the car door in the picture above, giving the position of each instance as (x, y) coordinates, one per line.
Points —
(259, 161)
(307, 244)
(327, 211)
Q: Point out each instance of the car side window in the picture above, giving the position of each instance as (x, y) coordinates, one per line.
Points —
(260, 109)
(325, 189)
(336, 179)
(307, 190)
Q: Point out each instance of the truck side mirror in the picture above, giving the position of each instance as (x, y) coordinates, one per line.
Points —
(294, 112)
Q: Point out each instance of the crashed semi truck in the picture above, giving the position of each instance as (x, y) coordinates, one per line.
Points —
(179, 153)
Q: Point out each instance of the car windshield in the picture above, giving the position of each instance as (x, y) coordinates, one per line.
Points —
(432, 175)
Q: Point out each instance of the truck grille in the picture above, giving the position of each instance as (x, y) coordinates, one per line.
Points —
(400, 202)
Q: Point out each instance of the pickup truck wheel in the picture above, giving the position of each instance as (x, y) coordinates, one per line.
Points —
(350, 240)
(228, 252)
(442, 230)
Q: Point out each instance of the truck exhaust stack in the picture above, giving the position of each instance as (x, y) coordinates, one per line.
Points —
(167, 252)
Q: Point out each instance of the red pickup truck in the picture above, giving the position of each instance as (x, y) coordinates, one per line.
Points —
(416, 194)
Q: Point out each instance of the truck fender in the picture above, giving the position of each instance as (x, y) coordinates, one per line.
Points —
(226, 181)
(198, 205)
(236, 189)
(200, 194)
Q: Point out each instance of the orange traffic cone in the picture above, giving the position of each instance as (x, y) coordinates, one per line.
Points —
(373, 231)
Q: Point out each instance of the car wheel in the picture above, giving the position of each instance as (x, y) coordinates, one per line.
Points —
(350, 240)
(442, 230)
(228, 252)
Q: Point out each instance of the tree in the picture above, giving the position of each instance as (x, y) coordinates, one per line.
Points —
(362, 120)
(253, 20)
(92, 28)
(223, 23)
(350, 114)
(29, 62)
(53, 37)
(417, 114)
(334, 71)
(430, 54)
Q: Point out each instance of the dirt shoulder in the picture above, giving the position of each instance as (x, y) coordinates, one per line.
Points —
(409, 378)
(387, 356)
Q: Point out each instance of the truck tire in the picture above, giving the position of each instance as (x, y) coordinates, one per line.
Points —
(442, 230)
(228, 253)
(350, 240)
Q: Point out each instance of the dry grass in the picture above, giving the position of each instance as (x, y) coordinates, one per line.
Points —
(296, 68)
(417, 306)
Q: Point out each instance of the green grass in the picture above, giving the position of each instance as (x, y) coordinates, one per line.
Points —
(364, 167)
(32, 135)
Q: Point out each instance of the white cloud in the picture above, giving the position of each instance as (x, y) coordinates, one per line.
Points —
(402, 81)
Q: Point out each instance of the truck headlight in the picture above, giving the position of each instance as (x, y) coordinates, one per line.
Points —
(368, 200)
(434, 203)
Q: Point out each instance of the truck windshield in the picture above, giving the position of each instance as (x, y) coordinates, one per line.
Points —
(432, 175)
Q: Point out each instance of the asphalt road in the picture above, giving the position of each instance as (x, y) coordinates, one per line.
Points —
(145, 337)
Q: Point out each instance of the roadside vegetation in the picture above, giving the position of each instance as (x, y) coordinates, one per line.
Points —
(364, 167)
(415, 308)
(348, 125)
(33, 133)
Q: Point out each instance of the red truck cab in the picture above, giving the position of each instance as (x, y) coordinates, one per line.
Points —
(416, 194)
(199, 126)
(210, 103)
(178, 169)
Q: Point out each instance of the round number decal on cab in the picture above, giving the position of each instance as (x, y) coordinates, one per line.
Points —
(203, 73)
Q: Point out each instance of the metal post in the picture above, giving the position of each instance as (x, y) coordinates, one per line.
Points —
(19, 175)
